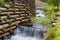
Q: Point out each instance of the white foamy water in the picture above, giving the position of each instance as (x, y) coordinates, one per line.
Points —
(25, 33)
(39, 12)
(19, 37)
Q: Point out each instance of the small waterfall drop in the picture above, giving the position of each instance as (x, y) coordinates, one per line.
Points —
(25, 33)
(28, 33)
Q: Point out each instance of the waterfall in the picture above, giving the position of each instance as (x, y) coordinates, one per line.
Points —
(25, 33)
(29, 33)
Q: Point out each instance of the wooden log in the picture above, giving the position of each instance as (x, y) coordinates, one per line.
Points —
(5, 25)
(3, 8)
(2, 13)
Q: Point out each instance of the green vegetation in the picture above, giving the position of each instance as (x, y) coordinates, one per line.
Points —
(9, 3)
(5, 19)
(54, 3)
(49, 13)
(43, 0)
(1, 2)
(41, 21)
(50, 10)
(54, 32)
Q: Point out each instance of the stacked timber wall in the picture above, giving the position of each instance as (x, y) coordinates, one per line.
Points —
(12, 16)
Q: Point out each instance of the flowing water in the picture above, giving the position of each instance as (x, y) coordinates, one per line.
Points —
(28, 33)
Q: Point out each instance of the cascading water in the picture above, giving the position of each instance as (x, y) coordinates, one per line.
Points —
(25, 33)
(28, 33)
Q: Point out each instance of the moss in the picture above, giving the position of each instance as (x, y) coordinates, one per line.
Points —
(5, 19)
(10, 3)
(2, 2)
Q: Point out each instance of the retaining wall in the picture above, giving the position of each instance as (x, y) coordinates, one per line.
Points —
(11, 16)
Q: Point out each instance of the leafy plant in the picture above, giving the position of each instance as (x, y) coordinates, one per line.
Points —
(50, 15)
(48, 8)
(41, 21)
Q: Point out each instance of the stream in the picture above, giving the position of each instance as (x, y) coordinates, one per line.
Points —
(29, 33)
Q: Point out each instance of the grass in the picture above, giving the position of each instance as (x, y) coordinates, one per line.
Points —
(58, 12)
(55, 31)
